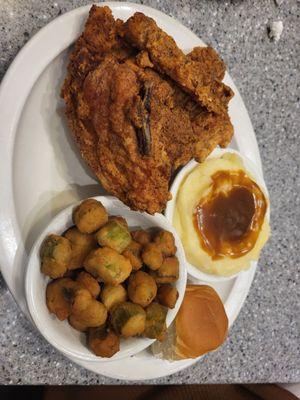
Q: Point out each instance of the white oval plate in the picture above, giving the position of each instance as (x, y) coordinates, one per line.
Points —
(59, 333)
(41, 171)
(169, 212)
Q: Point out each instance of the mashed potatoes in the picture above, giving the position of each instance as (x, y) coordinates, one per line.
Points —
(217, 251)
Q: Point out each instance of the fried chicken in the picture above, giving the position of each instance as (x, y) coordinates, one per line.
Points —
(126, 168)
(186, 130)
(134, 126)
(99, 93)
(207, 61)
(98, 39)
(192, 73)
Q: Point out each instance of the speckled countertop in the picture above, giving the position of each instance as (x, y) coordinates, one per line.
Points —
(264, 343)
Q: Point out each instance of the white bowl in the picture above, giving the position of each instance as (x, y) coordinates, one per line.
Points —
(59, 333)
(192, 270)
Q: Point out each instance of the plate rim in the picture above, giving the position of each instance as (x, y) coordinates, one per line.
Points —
(8, 245)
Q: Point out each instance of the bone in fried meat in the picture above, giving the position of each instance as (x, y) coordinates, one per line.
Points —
(98, 39)
(133, 125)
(126, 170)
(142, 32)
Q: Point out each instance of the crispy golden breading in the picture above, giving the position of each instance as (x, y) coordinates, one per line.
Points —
(59, 295)
(81, 245)
(185, 129)
(134, 127)
(208, 61)
(89, 282)
(90, 216)
(55, 253)
(167, 295)
(142, 32)
(133, 253)
(98, 39)
(103, 342)
(141, 236)
(141, 181)
(142, 288)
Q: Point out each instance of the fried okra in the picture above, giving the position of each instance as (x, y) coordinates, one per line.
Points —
(89, 283)
(168, 272)
(77, 324)
(167, 295)
(89, 216)
(119, 219)
(112, 295)
(142, 288)
(55, 255)
(165, 241)
(88, 311)
(114, 235)
(155, 322)
(133, 253)
(108, 266)
(103, 342)
(59, 295)
(81, 244)
(141, 236)
(128, 319)
(152, 256)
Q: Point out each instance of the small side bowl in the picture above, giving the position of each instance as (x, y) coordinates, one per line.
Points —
(192, 270)
(59, 333)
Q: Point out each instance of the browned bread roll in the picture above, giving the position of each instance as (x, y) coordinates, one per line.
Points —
(201, 325)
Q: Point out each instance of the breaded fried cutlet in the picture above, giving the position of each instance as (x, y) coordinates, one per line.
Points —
(134, 125)
(98, 39)
(192, 73)
(132, 166)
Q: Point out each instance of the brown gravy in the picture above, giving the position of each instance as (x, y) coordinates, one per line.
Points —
(228, 220)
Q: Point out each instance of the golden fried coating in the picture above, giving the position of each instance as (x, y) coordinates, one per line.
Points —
(182, 127)
(55, 255)
(208, 61)
(81, 244)
(141, 236)
(152, 256)
(98, 39)
(114, 235)
(100, 31)
(112, 295)
(141, 288)
(128, 319)
(89, 216)
(119, 219)
(108, 266)
(165, 241)
(59, 295)
(167, 295)
(81, 301)
(103, 342)
(133, 253)
(134, 126)
(86, 310)
(77, 323)
(126, 167)
(156, 322)
(87, 74)
(142, 32)
(168, 272)
(89, 283)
